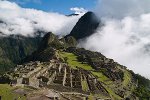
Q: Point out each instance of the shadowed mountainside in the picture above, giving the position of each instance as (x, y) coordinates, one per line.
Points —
(86, 26)
(13, 48)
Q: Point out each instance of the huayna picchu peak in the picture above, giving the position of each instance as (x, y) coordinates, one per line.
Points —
(86, 26)
(59, 70)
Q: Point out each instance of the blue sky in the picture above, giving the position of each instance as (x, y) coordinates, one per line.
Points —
(61, 6)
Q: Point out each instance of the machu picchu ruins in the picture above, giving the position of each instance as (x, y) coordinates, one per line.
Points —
(59, 72)
(59, 77)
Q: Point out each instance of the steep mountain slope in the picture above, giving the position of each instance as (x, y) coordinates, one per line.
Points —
(86, 26)
(13, 48)
(76, 73)
(48, 46)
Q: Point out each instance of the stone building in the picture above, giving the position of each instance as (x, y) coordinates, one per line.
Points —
(28, 82)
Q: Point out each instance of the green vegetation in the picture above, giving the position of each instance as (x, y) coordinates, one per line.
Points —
(91, 97)
(14, 48)
(71, 41)
(118, 81)
(107, 84)
(73, 61)
(6, 92)
(143, 89)
(84, 85)
(127, 78)
(112, 93)
(102, 78)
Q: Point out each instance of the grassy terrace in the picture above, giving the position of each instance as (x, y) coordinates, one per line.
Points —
(73, 61)
(127, 81)
(84, 85)
(6, 92)
(112, 93)
(127, 78)
(107, 83)
(102, 77)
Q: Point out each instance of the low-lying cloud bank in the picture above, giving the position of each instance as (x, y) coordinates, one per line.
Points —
(126, 34)
(122, 8)
(17, 20)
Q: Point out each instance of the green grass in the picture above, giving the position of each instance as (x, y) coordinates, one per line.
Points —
(84, 85)
(91, 97)
(6, 92)
(126, 81)
(102, 78)
(126, 78)
(112, 93)
(107, 84)
(73, 61)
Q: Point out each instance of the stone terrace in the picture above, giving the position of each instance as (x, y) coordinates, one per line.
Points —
(59, 76)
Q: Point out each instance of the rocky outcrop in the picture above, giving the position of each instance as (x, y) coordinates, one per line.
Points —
(48, 46)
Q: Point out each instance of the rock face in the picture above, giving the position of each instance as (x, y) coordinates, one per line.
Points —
(51, 40)
(48, 40)
(86, 26)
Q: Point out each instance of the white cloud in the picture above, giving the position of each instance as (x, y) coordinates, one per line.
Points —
(78, 10)
(122, 8)
(125, 36)
(26, 1)
(25, 21)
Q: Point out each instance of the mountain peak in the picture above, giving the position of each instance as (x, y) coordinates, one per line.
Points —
(47, 39)
(86, 26)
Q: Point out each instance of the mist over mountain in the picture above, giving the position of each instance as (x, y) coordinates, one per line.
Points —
(27, 21)
(86, 26)
(125, 35)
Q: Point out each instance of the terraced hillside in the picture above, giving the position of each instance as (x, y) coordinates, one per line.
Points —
(60, 77)
(67, 74)
(60, 70)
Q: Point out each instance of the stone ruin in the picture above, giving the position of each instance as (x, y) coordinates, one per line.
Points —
(60, 77)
